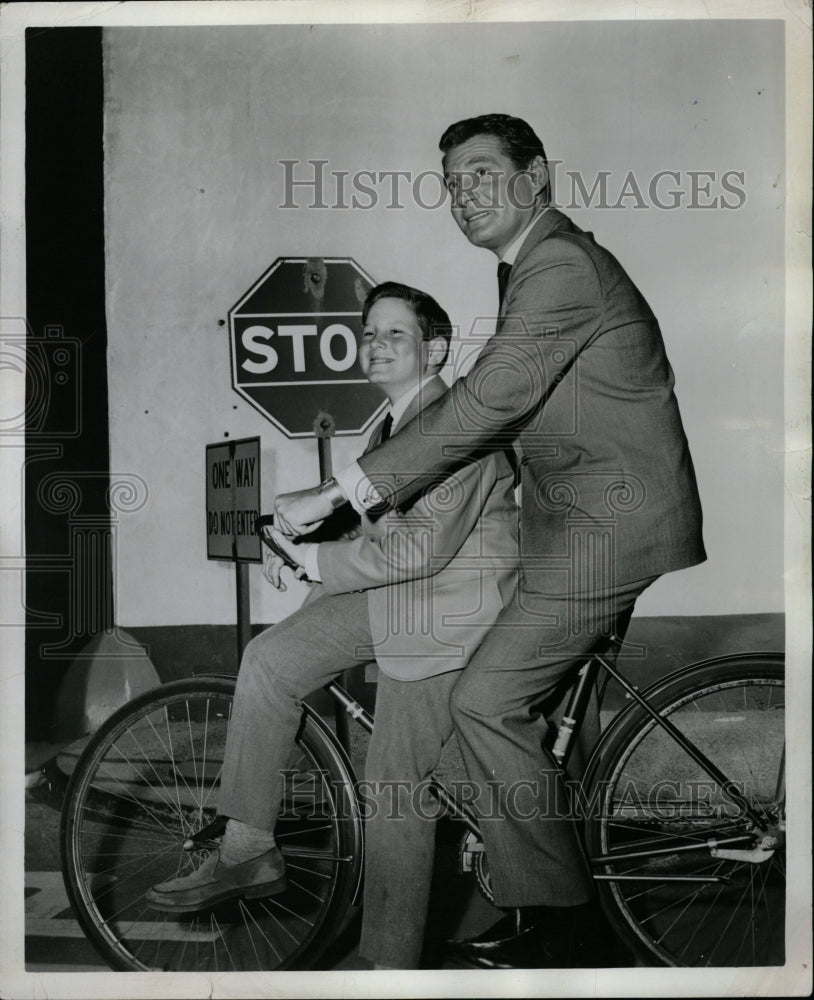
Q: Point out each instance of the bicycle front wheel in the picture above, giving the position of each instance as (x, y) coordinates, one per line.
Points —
(686, 877)
(146, 783)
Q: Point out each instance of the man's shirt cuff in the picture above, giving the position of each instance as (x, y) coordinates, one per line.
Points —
(311, 563)
(361, 493)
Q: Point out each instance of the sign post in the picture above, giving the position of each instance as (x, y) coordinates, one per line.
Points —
(232, 508)
(324, 430)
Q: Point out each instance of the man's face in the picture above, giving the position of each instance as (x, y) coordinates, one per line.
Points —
(393, 353)
(491, 200)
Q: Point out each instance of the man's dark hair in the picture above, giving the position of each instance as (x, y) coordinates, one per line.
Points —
(519, 140)
(432, 319)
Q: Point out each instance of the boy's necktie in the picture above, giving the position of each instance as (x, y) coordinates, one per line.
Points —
(387, 426)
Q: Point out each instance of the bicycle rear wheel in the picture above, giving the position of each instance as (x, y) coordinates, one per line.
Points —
(683, 874)
(146, 783)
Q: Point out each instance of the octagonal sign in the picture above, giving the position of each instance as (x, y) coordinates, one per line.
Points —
(294, 343)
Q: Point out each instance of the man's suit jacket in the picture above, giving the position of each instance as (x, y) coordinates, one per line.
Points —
(438, 571)
(577, 373)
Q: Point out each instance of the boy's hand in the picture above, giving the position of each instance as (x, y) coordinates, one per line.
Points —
(273, 564)
(272, 569)
(295, 551)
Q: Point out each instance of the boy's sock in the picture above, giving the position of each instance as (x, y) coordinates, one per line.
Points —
(242, 842)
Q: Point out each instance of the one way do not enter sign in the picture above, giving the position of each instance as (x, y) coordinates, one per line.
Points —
(233, 500)
(294, 343)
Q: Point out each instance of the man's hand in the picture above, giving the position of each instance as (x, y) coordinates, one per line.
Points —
(301, 512)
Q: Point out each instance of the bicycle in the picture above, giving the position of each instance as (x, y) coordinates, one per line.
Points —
(683, 803)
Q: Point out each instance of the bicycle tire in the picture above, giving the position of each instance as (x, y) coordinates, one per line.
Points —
(146, 782)
(646, 795)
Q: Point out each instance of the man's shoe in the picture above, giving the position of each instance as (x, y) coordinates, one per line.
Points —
(507, 928)
(504, 946)
(541, 938)
(215, 882)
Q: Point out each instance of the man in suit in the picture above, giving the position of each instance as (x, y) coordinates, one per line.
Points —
(577, 376)
(414, 590)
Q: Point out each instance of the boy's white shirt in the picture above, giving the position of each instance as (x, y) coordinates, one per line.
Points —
(396, 411)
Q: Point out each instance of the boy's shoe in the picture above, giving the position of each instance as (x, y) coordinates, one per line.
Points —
(215, 882)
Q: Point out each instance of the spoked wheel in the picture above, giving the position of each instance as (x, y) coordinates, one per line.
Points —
(147, 783)
(685, 876)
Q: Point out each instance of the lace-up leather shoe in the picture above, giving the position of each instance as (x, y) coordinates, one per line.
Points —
(215, 882)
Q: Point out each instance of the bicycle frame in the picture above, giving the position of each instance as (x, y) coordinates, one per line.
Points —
(561, 750)
(564, 743)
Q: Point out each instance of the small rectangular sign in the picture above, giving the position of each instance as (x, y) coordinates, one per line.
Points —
(233, 500)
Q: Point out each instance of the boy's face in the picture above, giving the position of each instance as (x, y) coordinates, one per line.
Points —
(393, 353)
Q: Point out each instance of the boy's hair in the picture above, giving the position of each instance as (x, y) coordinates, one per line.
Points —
(432, 319)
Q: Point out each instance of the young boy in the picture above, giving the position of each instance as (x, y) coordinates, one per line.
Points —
(416, 590)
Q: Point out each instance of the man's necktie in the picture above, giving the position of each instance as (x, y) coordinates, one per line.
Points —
(503, 272)
(387, 426)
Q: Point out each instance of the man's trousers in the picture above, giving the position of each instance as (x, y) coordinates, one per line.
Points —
(279, 668)
(501, 707)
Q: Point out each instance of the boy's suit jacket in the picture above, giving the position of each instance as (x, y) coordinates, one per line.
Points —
(577, 374)
(437, 572)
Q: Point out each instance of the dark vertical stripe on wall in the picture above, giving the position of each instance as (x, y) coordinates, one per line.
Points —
(68, 579)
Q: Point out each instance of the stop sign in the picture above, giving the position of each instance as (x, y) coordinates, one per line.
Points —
(294, 342)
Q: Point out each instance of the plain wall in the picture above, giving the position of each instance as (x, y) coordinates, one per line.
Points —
(196, 122)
